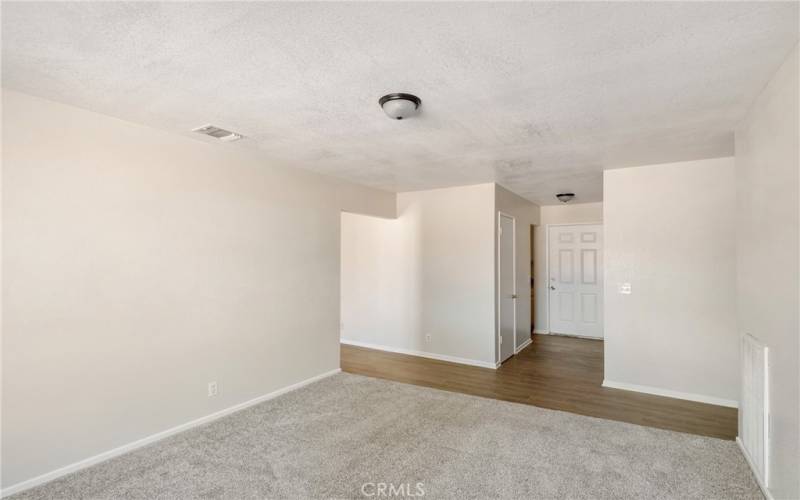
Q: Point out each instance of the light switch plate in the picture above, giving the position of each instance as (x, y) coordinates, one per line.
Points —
(625, 288)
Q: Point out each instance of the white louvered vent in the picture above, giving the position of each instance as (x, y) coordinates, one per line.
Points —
(218, 133)
(755, 404)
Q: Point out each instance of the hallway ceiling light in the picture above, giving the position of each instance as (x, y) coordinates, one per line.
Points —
(218, 133)
(565, 197)
(399, 106)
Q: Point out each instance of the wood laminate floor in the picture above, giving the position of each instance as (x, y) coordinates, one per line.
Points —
(561, 373)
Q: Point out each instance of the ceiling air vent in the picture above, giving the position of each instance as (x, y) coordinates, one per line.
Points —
(218, 133)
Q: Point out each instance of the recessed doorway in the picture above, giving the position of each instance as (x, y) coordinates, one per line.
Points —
(575, 279)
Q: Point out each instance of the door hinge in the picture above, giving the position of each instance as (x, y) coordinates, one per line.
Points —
(501, 340)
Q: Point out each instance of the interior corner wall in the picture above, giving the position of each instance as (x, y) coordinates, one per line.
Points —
(525, 215)
(571, 213)
(768, 215)
(430, 272)
(139, 265)
(670, 231)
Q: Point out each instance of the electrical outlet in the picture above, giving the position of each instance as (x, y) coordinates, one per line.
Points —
(212, 389)
(625, 288)
(428, 338)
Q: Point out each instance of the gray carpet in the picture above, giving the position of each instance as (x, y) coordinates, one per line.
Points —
(329, 439)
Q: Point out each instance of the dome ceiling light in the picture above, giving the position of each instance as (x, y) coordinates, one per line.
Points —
(218, 133)
(565, 197)
(399, 106)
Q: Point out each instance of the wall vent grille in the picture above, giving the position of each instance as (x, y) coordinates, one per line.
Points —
(755, 404)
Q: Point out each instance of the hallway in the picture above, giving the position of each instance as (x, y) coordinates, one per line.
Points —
(560, 373)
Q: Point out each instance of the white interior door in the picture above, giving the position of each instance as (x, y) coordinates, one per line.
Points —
(576, 279)
(506, 286)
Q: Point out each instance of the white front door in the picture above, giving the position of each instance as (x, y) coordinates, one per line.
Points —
(576, 279)
(506, 286)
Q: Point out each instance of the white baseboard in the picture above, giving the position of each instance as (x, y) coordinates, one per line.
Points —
(422, 354)
(575, 336)
(542, 332)
(700, 398)
(759, 479)
(523, 346)
(106, 455)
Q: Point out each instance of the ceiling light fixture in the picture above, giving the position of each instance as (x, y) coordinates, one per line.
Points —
(218, 133)
(399, 106)
(565, 197)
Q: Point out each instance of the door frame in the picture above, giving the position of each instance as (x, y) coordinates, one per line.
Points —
(498, 335)
(547, 259)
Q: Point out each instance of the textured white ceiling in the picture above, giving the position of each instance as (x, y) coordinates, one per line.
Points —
(539, 97)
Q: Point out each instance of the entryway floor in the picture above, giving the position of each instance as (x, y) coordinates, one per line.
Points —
(561, 373)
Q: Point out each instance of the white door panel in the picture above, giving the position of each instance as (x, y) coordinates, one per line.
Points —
(506, 286)
(576, 279)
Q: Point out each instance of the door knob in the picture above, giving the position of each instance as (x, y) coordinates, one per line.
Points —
(514, 296)
(552, 287)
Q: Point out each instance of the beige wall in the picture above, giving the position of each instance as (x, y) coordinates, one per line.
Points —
(555, 214)
(670, 231)
(767, 166)
(525, 214)
(451, 228)
(430, 272)
(140, 265)
(379, 284)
